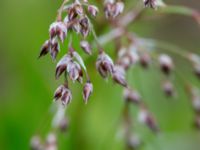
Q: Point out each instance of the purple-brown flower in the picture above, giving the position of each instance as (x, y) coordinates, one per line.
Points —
(64, 94)
(74, 71)
(118, 75)
(93, 10)
(145, 60)
(45, 48)
(55, 48)
(86, 47)
(58, 29)
(146, 118)
(62, 65)
(87, 91)
(84, 26)
(150, 3)
(166, 63)
(131, 96)
(104, 65)
(168, 88)
(112, 10)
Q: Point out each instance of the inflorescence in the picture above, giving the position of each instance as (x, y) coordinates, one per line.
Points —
(138, 50)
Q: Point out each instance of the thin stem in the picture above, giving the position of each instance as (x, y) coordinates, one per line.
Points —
(59, 16)
(166, 46)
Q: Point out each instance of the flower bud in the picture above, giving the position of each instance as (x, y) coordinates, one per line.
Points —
(145, 60)
(112, 10)
(154, 3)
(63, 94)
(66, 96)
(55, 48)
(146, 118)
(45, 48)
(84, 24)
(78, 8)
(131, 96)
(168, 88)
(166, 63)
(118, 75)
(104, 65)
(58, 29)
(93, 10)
(150, 3)
(74, 70)
(62, 65)
(86, 47)
(87, 91)
(58, 92)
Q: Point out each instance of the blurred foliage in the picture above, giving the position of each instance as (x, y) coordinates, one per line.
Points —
(27, 85)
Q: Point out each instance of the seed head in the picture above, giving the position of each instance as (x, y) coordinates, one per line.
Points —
(58, 29)
(93, 10)
(84, 26)
(154, 3)
(74, 71)
(86, 47)
(62, 65)
(166, 63)
(58, 92)
(112, 10)
(128, 57)
(168, 88)
(104, 65)
(87, 91)
(55, 48)
(118, 75)
(145, 60)
(146, 118)
(131, 96)
(45, 48)
(64, 94)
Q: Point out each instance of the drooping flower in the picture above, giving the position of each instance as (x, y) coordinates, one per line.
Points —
(45, 48)
(118, 75)
(166, 63)
(131, 96)
(104, 65)
(58, 29)
(87, 91)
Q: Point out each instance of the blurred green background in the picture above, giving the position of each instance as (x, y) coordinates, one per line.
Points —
(27, 85)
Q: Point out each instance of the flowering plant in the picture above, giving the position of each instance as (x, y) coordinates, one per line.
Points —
(77, 18)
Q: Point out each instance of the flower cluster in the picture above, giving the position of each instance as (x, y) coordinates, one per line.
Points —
(131, 50)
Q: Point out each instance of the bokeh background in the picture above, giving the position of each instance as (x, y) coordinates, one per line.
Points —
(27, 84)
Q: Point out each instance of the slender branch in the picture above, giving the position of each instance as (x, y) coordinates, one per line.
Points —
(59, 16)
